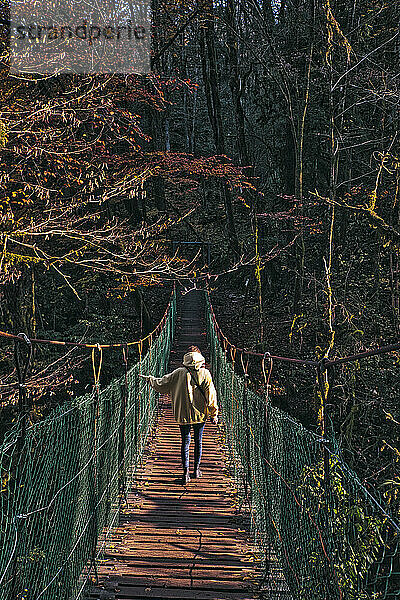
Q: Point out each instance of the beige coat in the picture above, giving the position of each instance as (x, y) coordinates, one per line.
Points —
(188, 403)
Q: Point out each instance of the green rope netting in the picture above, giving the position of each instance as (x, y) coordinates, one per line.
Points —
(320, 538)
(62, 483)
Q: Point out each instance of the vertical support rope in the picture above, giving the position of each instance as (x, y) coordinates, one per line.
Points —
(22, 371)
(22, 365)
(122, 430)
(233, 356)
(323, 384)
(95, 490)
(267, 377)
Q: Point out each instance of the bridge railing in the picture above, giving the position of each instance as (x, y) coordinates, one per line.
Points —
(332, 538)
(63, 480)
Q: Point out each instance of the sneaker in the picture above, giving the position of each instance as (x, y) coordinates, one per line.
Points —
(185, 478)
(196, 473)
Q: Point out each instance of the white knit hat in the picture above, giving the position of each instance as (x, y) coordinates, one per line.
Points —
(194, 359)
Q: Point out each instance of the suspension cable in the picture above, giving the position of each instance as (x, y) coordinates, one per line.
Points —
(138, 343)
(314, 363)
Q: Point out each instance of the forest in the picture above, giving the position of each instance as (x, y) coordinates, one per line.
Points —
(259, 159)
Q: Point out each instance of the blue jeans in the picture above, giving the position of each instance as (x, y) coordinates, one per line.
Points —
(198, 429)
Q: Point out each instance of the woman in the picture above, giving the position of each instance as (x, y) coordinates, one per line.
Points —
(193, 398)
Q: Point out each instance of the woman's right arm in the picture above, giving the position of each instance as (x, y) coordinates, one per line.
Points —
(162, 384)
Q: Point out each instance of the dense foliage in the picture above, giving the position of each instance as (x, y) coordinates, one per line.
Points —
(268, 129)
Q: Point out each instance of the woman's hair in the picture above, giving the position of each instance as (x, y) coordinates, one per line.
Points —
(194, 349)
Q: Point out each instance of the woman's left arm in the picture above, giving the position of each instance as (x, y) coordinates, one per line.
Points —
(162, 384)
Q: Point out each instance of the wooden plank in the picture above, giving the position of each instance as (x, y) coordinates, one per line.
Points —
(179, 558)
(190, 546)
(151, 571)
(184, 582)
(133, 592)
(190, 531)
(175, 575)
(150, 534)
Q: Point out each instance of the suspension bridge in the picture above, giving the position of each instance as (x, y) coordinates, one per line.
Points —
(91, 505)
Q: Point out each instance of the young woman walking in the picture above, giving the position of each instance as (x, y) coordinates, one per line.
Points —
(193, 399)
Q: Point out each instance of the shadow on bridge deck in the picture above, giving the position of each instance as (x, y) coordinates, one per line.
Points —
(175, 541)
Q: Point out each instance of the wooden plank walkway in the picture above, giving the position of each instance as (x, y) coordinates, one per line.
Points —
(177, 541)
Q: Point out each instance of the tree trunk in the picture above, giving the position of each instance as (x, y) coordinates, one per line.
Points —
(142, 312)
(158, 134)
(210, 78)
(158, 120)
(235, 83)
(16, 303)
